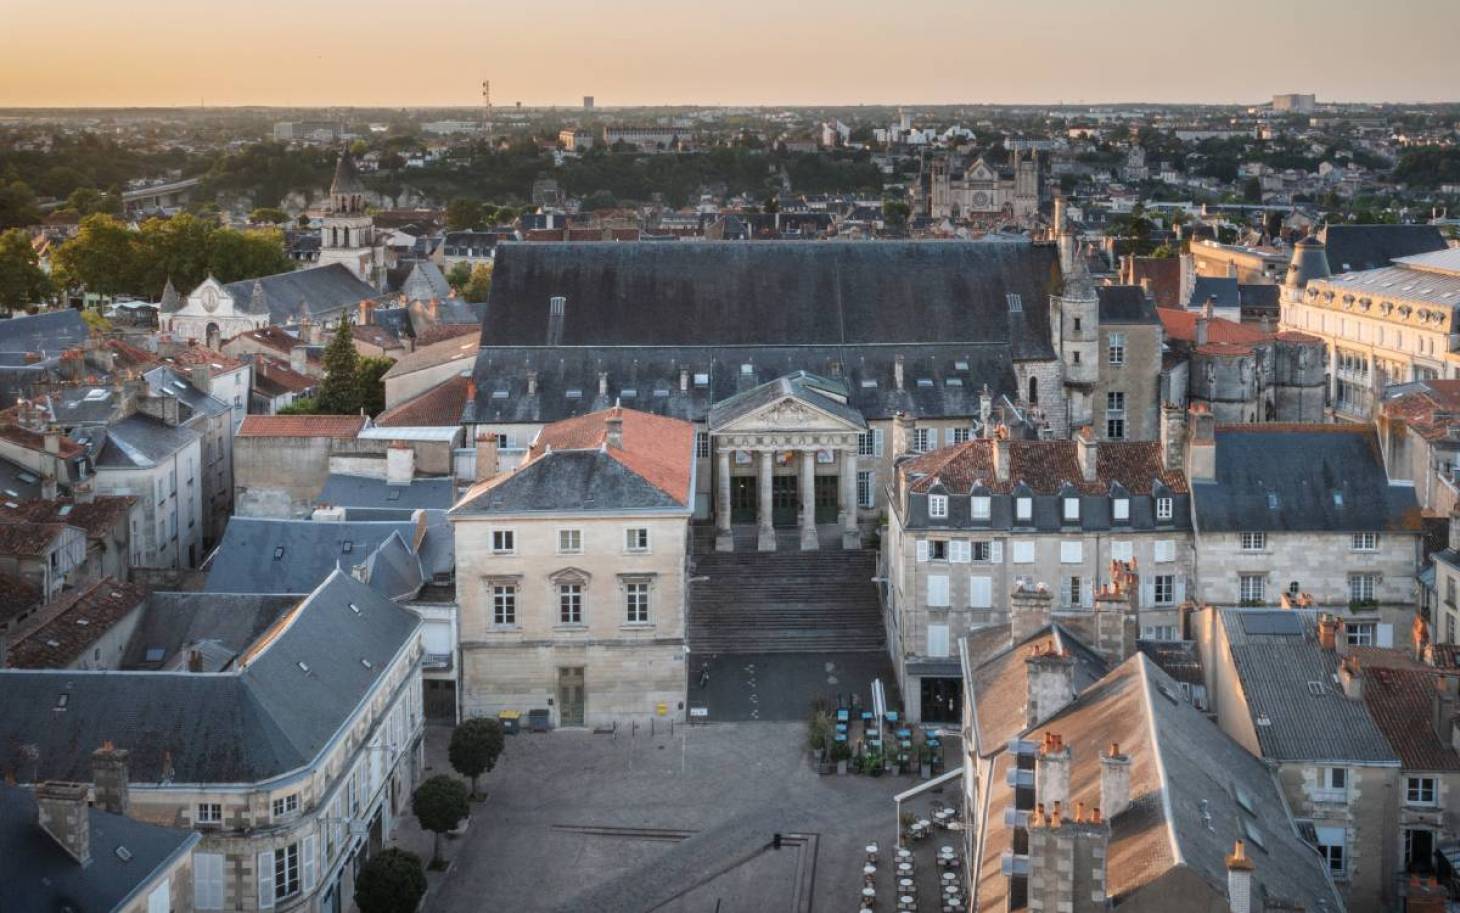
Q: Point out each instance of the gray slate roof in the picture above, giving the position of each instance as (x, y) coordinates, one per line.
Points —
(425, 282)
(827, 395)
(244, 726)
(181, 386)
(322, 291)
(172, 622)
(140, 441)
(572, 481)
(49, 331)
(1125, 304)
(1350, 248)
(246, 561)
(361, 491)
(1221, 288)
(1302, 478)
(41, 877)
(1277, 672)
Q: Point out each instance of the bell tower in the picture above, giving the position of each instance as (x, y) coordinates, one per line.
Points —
(349, 233)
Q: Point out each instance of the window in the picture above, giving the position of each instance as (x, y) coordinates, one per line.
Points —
(1115, 346)
(504, 542)
(1419, 791)
(570, 603)
(1163, 508)
(1254, 542)
(209, 813)
(1365, 542)
(870, 444)
(1361, 587)
(1023, 508)
(1023, 553)
(1120, 509)
(981, 506)
(1360, 633)
(1159, 632)
(1449, 627)
(1331, 848)
(286, 871)
(864, 489)
(983, 551)
(1071, 509)
(938, 549)
(938, 507)
(286, 805)
(959, 435)
(208, 881)
(504, 604)
(1449, 591)
(1115, 415)
(938, 590)
(636, 539)
(980, 592)
(1122, 550)
(636, 603)
(1332, 784)
(922, 440)
(702, 444)
(1072, 552)
(570, 541)
(1251, 587)
(1164, 551)
(1073, 592)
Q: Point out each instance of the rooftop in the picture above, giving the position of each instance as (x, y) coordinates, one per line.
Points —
(344, 427)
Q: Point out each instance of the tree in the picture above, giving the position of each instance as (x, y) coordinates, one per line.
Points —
(307, 405)
(89, 200)
(249, 254)
(359, 147)
(17, 205)
(99, 258)
(895, 212)
(480, 284)
(1252, 190)
(440, 804)
(463, 214)
(475, 746)
(392, 881)
(270, 214)
(372, 383)
(22, 281)
(459, 275)
(339, 392)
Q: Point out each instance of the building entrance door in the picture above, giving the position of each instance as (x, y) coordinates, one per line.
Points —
(828, 500)
(570, 696)
(742, 499)
(942, 700)
(784, 500)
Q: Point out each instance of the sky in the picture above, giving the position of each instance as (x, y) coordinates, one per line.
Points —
(747, 52)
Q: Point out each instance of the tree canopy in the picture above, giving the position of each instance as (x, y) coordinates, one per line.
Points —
(22, 281)
(440, 804)
(391, 881)
(339, 392)
(475, 746)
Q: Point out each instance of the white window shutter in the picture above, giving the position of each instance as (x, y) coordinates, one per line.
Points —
(1180, 589)
(207, 881)
(309, 849)
(961, 551)
(996, 552)
(937, 590)
(1385, 635)
(1065, 592)
(1148, 591)
(937, 640)
(266, 880)
(980, 592)
(922, 549)
(877, 442)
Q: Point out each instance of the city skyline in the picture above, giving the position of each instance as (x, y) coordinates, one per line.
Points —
(655, 53)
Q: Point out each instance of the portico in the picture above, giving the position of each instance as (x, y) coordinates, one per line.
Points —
(786, 456)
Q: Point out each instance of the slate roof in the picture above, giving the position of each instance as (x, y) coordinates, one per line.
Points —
(167, 381)
(774, 294)
(1259, 299)
(345, 427)
(1277, 672)
(1221, 288)
(461, 348)
(440, 406)
(42, 877)
(73, 623)
(249, 560)
(267, 717)
(829, 396)
(999, 687)
(140, 441)
(48, 331)
(1125, 304)
(317, 292)
(1350, 248)
(362, 491)
(1302, 478)
(1185, 812)
(16, 481)
(425, 282)
(347, 179)
(172, 622)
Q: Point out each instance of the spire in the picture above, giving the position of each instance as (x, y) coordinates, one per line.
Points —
(1078, 284)
(258, 300)
(347, 180)
(171, 301)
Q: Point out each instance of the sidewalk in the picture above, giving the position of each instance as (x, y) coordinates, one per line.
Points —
(408, 833)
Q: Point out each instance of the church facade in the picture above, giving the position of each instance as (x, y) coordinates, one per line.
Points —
(983, 192)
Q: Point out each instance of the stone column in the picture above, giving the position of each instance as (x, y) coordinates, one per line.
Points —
(851, 534)
(808, 500)
(766, 538)
(724, 539)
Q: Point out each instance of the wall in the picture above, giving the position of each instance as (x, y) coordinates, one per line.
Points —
(279, 476)
(1369, 814)
(1320, 563)
(1139, 378)
(180, 509)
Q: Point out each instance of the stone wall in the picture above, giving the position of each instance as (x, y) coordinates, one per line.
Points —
(1320, 563)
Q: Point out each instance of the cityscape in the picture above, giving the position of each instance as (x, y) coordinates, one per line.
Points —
(413, 498)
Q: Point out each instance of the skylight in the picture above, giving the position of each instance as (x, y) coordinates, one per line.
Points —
(279, 553)
(869, 384)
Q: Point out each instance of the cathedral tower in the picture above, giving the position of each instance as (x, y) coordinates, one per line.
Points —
(349, 232)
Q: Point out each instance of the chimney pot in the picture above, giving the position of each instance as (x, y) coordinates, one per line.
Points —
(614, 429)
(62, 812)
(486, 459)
(110, 778)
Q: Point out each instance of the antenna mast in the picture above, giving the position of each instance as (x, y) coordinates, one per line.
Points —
(487, 110)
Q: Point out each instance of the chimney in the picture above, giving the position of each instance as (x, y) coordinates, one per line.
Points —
(367, 313)
(202, 378)
(400, 463)
(486, 456)
(985, 410)
(897, 371)
(1147, 289)
(434, 308)
(602, 383)
(1087, 451)
(162, 407)
(1327, 632)
(195, 661)
(1114, 782)
(684, 380)
(1117, 626)
(1052, 771)
(1051, 673)
(1239, 880)
(614, 429)
(53, 440)
(1029, 607)
(1201, 452)
(49, 489)
(109, 776)
(64, 815)
(1202, 320)
(1173, 439)
(1067, 868)
(299, 359)
(471, 389)
(1351, 679)
(1001, 454)
(531, 383)
(902, 434)
(83, 493)
(1419, 639)
(1209, 308)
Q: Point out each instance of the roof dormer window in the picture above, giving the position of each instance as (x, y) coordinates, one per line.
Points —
(1120, 509)
(938, 507)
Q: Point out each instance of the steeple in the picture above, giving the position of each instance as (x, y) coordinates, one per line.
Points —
(171, 300)
(258, 300)
(347, 194)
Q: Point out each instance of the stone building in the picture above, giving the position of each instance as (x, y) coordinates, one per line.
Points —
(1418, 431)
(348, 235)
(321, 716)
(981, 191)
(572, 572)
(971, 525)
(215, 312)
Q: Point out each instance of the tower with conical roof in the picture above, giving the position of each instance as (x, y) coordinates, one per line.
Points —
(349, 232)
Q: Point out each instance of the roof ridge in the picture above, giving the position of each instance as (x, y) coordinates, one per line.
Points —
(1143, 663)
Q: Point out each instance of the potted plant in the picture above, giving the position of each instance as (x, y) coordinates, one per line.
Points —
(925, 761)
(873, 763)
(841, 753)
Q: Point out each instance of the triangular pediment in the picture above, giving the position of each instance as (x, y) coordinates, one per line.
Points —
(789, 413)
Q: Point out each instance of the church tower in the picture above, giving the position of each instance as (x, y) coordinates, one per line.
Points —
(1075, 313)
(349, 233)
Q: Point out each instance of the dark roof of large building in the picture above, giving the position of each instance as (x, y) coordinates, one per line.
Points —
(317, 292)
(40, 876)
(48, 331)
(140, 441)
(1302, 478)
(263, 555)
(1220, 290)
(362, 491)
(1350, 248)
(227, 622)
(275, 712)
(773, 294)
(1125, 304)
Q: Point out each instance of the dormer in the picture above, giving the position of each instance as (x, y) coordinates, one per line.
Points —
(1119, 504)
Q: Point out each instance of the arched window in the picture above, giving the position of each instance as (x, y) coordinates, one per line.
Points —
(1033, 391)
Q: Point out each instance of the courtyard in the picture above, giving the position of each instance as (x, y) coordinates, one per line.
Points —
(680, 821)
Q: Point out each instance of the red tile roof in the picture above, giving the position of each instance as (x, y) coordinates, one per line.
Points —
(1044, 466)
(28, 540)
(440, 406)
(1165, 276)
(1431, 411)
(67, 627)
(273, 377)
(1401, 701)
(34, 440)
(17, 596)
(217, 362)
(659, 450)
(1181, 324)
(334, 426)
(97, 516)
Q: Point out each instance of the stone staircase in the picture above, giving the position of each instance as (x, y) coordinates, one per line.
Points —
(786, 601)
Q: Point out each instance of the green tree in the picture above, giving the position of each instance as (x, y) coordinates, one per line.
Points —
(895, 213)
(304, 406)
(480, 284)
(440, 804)
(359, 147)
(339, 392)
(1252, 191)
(392, 881)
(463, 214)
(459, 275)
(22, 281)
(248, 254)
(372, 383)
(99, 258)
(17, 205)
(475, 746)
(95, 322)
(270, 214)
(89, 200)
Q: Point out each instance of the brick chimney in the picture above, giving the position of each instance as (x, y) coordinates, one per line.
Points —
(1351, 678)
(1240, 893)
(83, 492)
(110, 779)
(1114, 781)
(1327, 632)
(202, 378)
(1051, 675)
(1052, 771)
(1117, 624)
(63, 814)
(486, 456)
(400, 463)
(1201, 451)
(1202, 320)
(1001, 453)
(367, 313)
(1173, 438)
(1029, 608)
(1087, 450)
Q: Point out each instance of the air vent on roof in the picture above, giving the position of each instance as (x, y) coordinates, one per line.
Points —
(279, 553)
(347, 546)
(303, 667)
(354, 608)
(62, 700)
(366, 663)
(628, 393)
(869, 384)
(123, 854)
